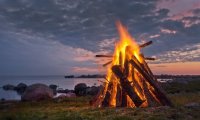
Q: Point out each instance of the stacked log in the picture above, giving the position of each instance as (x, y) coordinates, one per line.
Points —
(134, 85)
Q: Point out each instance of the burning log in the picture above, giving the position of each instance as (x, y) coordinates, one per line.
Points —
(159, 92)
(127, 87)
(124, 98)
(105, 102)
(119, 96)
(113, 92)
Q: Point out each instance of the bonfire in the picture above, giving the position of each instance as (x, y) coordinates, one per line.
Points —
(129, 81)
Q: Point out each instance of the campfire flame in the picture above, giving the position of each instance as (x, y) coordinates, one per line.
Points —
(141, 87)
(125, 48)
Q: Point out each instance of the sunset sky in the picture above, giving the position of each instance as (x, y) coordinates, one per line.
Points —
(57, 37)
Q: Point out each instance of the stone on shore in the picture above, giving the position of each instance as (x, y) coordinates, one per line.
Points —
(80, 89)
(8, 87)
(37, 92)
(20, 88)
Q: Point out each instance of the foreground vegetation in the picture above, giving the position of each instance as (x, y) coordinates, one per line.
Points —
(185, 101)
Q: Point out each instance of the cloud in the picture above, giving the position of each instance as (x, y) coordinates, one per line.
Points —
(184, 54)
(167, 31)
(68, 33)
(75, 22)
(154, 36)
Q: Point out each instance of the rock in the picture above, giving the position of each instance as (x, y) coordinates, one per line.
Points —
(2, 100)
(92, 90)
(9, 87)
(54, 88)
(21, 87)
(80, 89)
(37, 92)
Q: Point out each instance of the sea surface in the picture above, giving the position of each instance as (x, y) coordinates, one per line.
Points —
(64, 83)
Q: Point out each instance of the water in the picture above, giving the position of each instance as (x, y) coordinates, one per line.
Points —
(65, 83)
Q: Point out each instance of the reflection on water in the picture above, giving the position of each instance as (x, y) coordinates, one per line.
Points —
(57, 80)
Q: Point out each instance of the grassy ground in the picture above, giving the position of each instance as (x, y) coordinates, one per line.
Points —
(79, 108)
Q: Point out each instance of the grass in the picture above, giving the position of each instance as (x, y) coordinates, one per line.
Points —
(79, 109)
(177, 87)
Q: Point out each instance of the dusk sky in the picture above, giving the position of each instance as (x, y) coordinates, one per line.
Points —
(57, 37)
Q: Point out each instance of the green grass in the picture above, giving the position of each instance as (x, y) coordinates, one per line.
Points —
(177, 87)
(180, 99)
(79, 109)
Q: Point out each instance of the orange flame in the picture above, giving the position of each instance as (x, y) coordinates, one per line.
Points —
(120, 48)
(125, 49)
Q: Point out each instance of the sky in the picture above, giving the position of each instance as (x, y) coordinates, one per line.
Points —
(59, 37)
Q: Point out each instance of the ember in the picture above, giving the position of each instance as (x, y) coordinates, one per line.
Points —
(129, 81)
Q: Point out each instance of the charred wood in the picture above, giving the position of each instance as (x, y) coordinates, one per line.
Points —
(159, 92)
(145, 44)
(128, 88)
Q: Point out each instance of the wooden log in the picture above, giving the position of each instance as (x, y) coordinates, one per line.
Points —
(126, 86)
(109, 62)
(126, 68)
(124, 98)
(145, 44)
(145, 65)
(150, 99)
(135, 81)
(159, 92)
(149, 58)
(105, 102)
(106, 98)
(113, 93)
(99, 98)
(119, 96)
(120, 59)
(103, 56)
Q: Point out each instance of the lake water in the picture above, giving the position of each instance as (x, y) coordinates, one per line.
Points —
(65, 83)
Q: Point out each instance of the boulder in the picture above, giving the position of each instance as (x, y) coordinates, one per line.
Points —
(54, 88)
(8, 87)
(92, 90)
(80, 89)
(37, 92)
(20, 88)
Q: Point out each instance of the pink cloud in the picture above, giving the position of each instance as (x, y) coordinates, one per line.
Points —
(154, 36)
(167, 31)
(178, 6)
